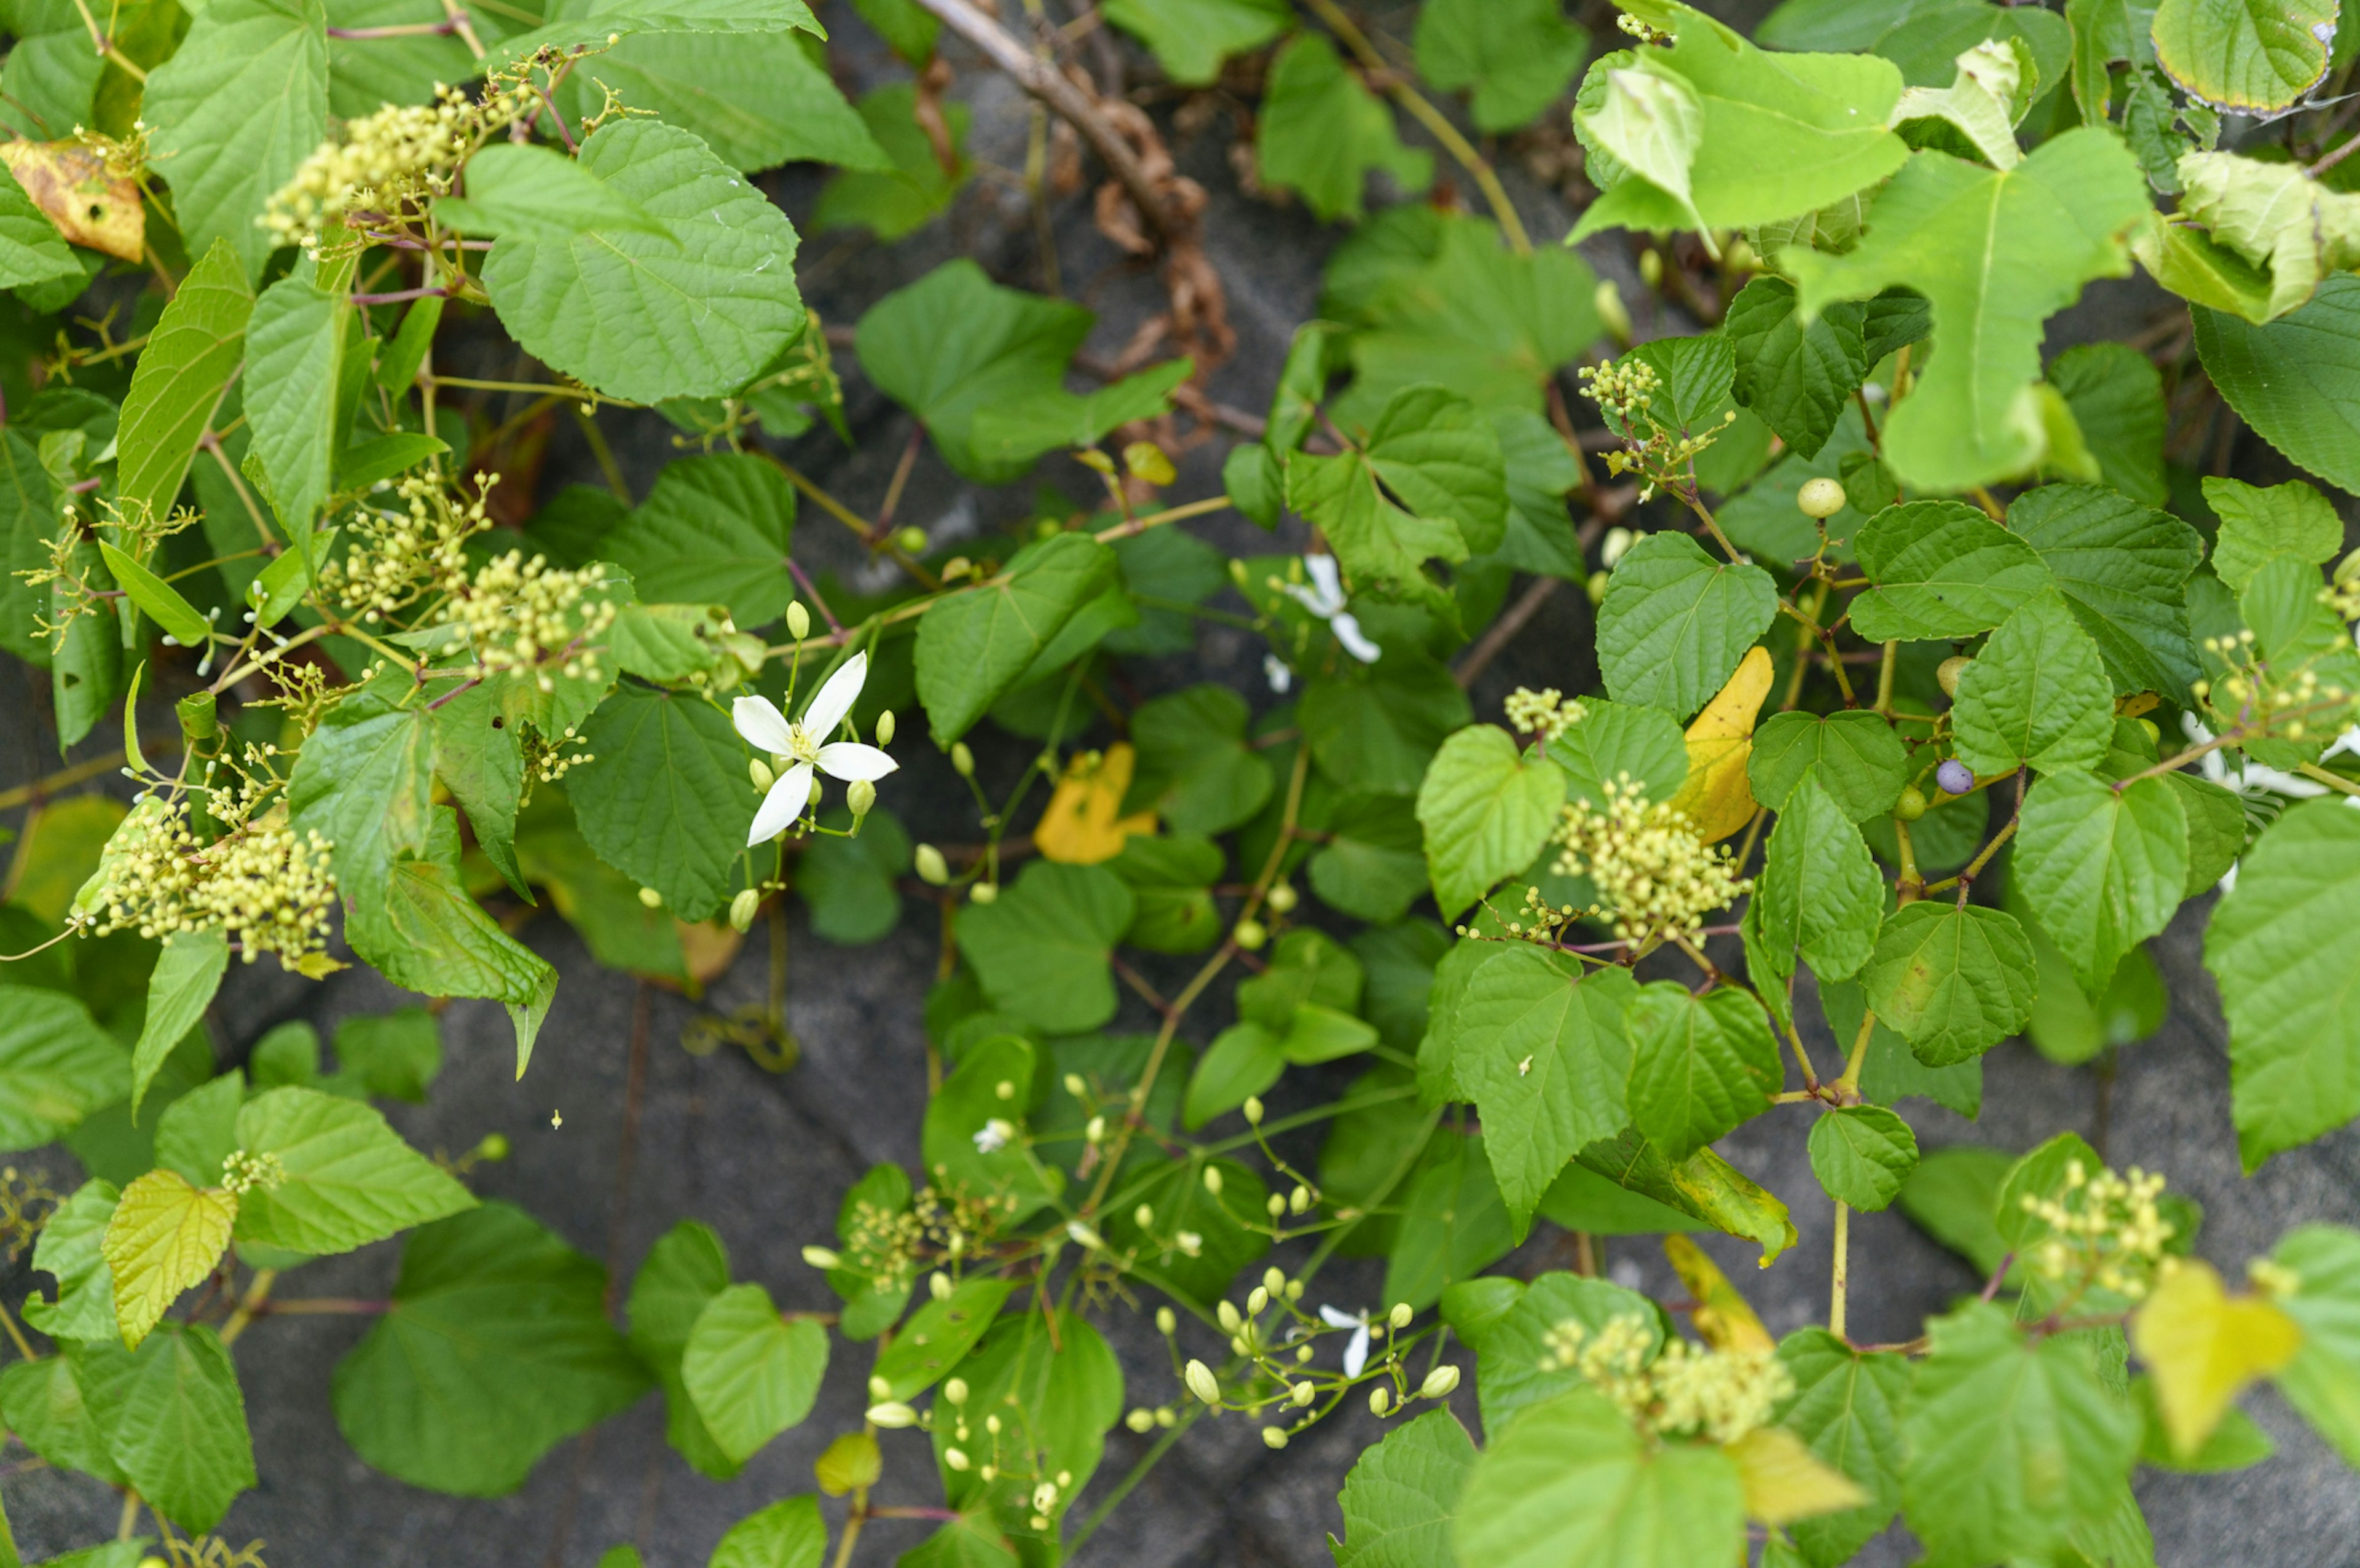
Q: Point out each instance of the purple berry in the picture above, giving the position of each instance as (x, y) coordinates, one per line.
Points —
(1955, 777)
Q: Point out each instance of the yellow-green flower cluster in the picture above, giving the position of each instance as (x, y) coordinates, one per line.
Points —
(517, 613)
(264, 885)
(1645, 32)
(398, 558)
(1547, 713)
(2105, 1229)
(1718, 1395)
(1648, 864)
(2259, 699)
(390, 163)
(243, 1172)
(1623, 387)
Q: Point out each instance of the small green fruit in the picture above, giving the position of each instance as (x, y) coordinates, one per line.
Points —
(1249, 934)
(1950, 672)
(1820, 498)
(1911, 806)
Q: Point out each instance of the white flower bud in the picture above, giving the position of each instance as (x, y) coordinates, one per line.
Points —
(1299, 1200)
(822, 1258)
(951, 1456)
(1273, 1280)
(938, 1286)
(760, 772)
(962, 759)
(1304, 1393)
(1274, 1436)
(1380, 1399)
(1277, 1205)
(1142, 1217)
(742, 909)
(1227, 1311)
(1085, 1236)
(798, 621)
(984, 892)
(1400, 1314)
(1203, 1384)
(892, 1413)
(955, 1390)
(1252, 1108)
(885, 727)
(1141, 1419)
(1256, 1301)
(879, 1388)
(1213, 1180)
(1439, 1383)
(932, 867)
(861, 796)
(1167, 1322)
(651, 898)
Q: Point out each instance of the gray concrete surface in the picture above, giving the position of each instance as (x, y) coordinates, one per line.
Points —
(765, 1158)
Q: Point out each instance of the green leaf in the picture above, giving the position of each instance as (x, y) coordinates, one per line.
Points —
(1487, 812)
(2260, 524)
(348, 1177)
(196, 347)
(915, 188)
(1855, 756)
(364, 782)
(520, 189)
(1636, 747)
(1798, 378)
(478, 756)
(2284, 947)
(164, 1237)
(1401, 1498)
(1953, 980)
(55, 1067)
(938, 1336)
(973, 646)
(1519, 56)
(2323, 1381)
(1516, 1366)
(295, 358)
(1243, 1061)
(159, 598)
(848, 883)
(1941, 569)
(495, 1350)
(1846, 1408)
(2103, 869)
(2122, 569)
(68, 1251)
(1431, 451)
(1700, 1065)
(642, 317)
(2293, 381)
(1820, 889)
(43, 1403)
(2116, 396)
(1571, 1484)
(954, 347)
(1041, 948)
(174, 1418)
(687, 1268)
(1192, 37)
(1374, 865)
(2037, 694)
(1064, 1381)
(1196, 769)
(2011, 1443)
(2068, 1028)
(239, 107)
(1231, 1228)
(1762, 137)
(1543, 1053)
(1378, 725)
(665, 800)
(715, 530)
(758, 100)
(1861, 1155)
(590, 22)
(750, 1374)
(789, 1534)
(1996, 254)
(1322, 131)
(2245, 56)
(1582, 1199)
(1453, 1224)
(1674, 623)
(2237, 1443)
(993, 1084)
(186, 974)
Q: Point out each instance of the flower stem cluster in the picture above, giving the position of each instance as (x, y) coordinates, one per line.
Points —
(2105, 1230)
(1655, 873)
(519, 614)
(1718, 1395)
(2260, 698)
(390, 164)
(1545, 715)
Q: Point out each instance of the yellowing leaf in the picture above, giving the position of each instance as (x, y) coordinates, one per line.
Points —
(1080, 825)
(1784, 1480)
(1722, 1317)
(2202, 1346)
(90, 206)
(707, 948)
(165, 1236)
(1716, 796)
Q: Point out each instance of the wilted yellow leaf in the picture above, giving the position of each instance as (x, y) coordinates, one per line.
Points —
(707, 948)
(1716, 795)
(1784, 1480)
(1723, 1317)
(90, 206)
(2202, 1346)
(1080, 825)
(165, 1236)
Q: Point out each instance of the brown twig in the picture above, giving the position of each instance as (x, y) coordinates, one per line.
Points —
(1503, 631)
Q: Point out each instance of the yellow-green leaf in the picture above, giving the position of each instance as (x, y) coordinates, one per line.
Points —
(2202, 1346)
(1785, 1481)
(165, 1236)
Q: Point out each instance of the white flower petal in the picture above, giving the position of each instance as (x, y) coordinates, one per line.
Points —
(1329, 581)
(759, 721)
(782, 805)
(1356, 643)
(835, 698)
(849, 760)
(1274, 667)
(1356, 1354)
(1335, 1318)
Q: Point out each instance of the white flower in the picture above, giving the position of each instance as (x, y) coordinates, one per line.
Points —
(993, 1136)
(804, 745)
(1325, 599)
(1356, 1350)
(1279, 676)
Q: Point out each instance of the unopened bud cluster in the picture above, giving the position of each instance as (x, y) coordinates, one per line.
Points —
(389, 163)
(264, 885)
(1623, 387)
(517, 613)
(2260, 699)
(1547, 713)
(2107, 1230)
(243, 1172)
(1684, 1391)
(1648, 864)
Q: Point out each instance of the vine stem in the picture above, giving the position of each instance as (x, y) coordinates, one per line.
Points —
(1436, 124)
(1837, 1281)
(1849, 1084)
(17, 1335)
(257, 1291)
